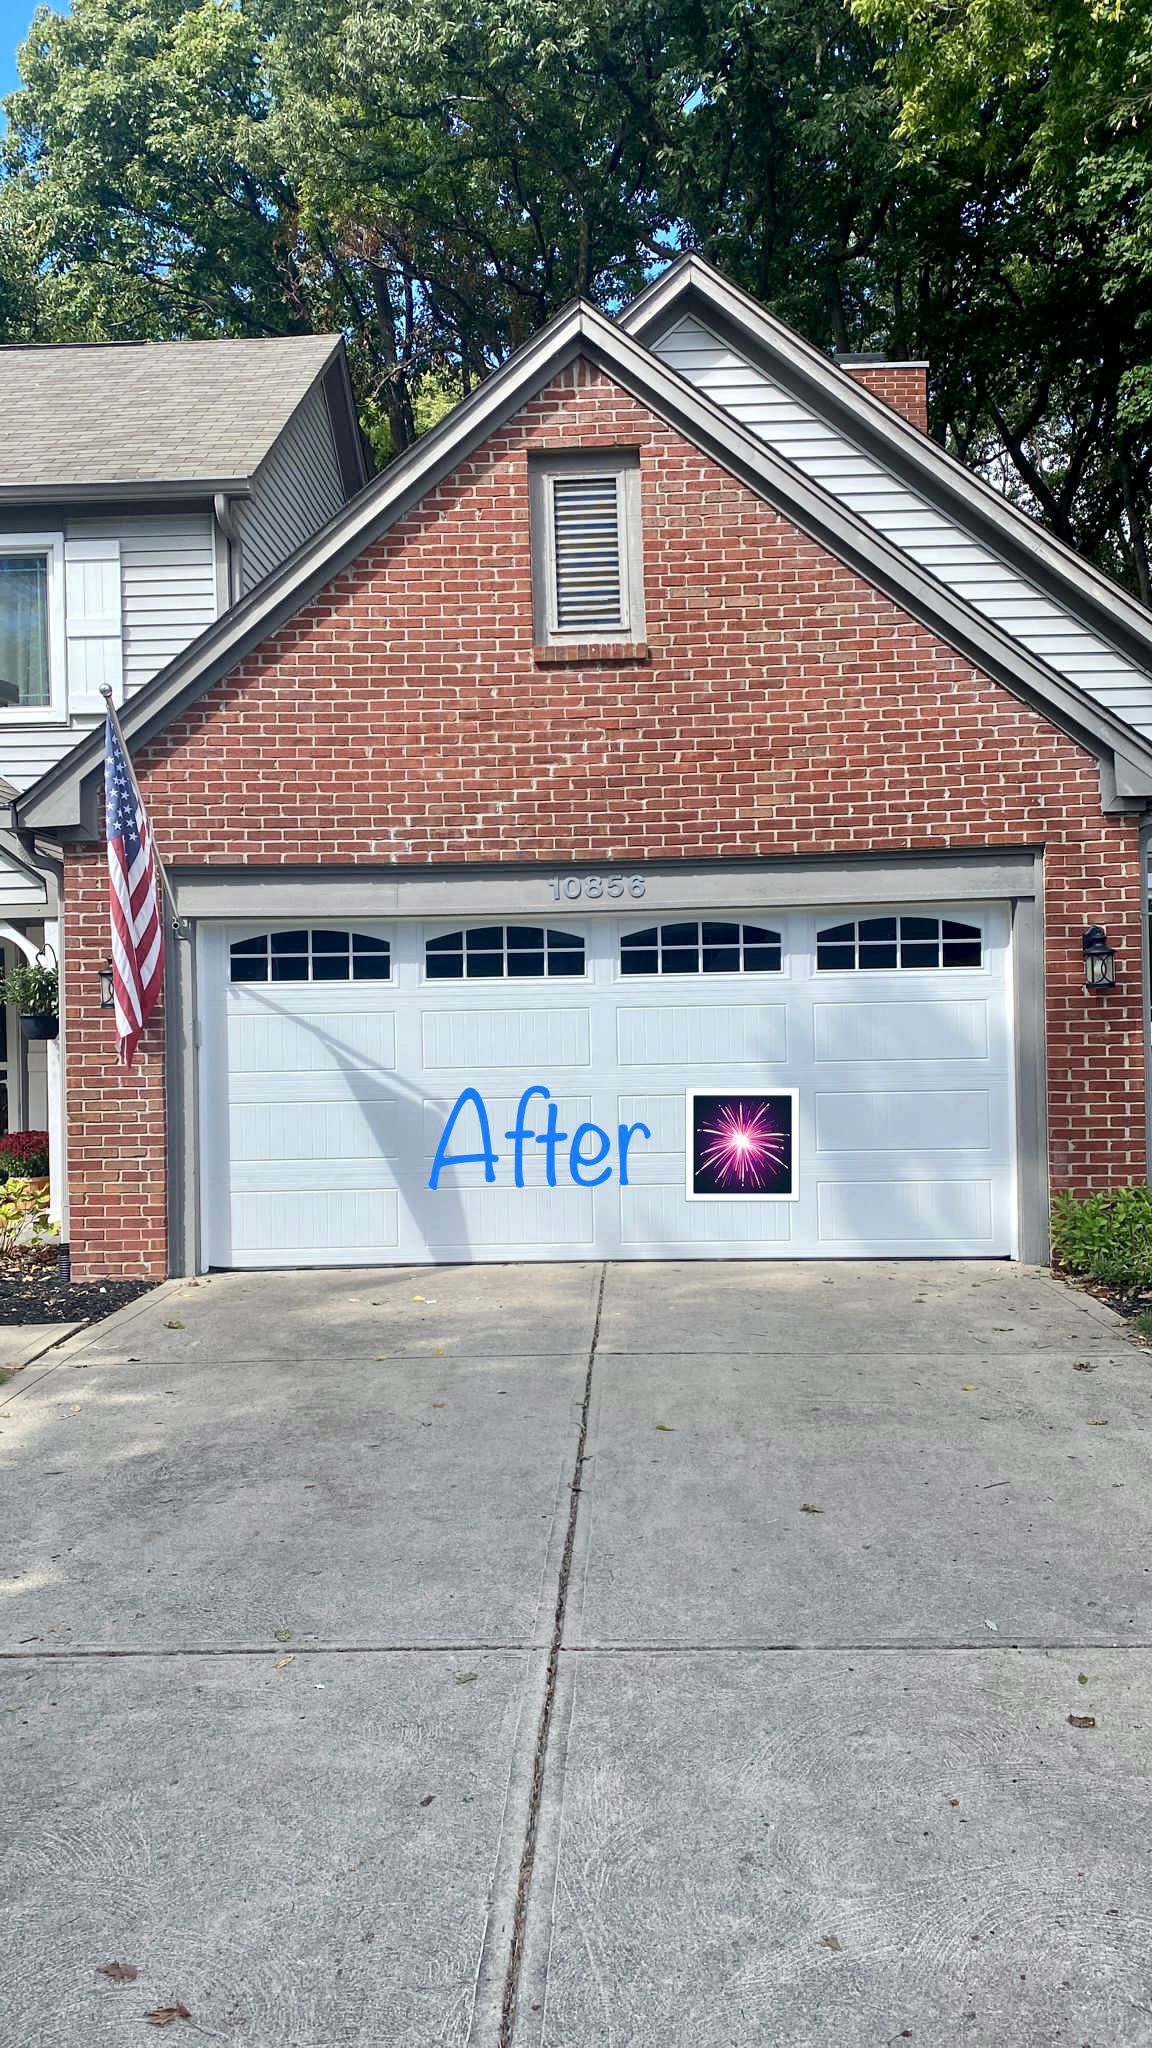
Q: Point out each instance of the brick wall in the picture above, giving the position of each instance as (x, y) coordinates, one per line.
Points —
(903, 386)
(783, 707)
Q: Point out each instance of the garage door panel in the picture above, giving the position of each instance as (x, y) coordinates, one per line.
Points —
(271, 1042)
(659, 1219)
(467, 1136)
(719, 1032)
(910, 1212)
(904, 1120)
(491, 1219)
(503, 1038)
(332, 1226)
(324, 1132)
(924, 1032)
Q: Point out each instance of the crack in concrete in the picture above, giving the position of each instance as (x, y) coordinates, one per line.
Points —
(540, 1754)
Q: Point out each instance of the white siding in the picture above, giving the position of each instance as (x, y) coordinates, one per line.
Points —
(939, 545)
(297, 490)
(168, 597)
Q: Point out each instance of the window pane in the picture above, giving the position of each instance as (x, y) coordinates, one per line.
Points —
(245, 946)
(24, 677)
(525, 938)
(289, 942)
(919, 953)
(762, 959)
(759, 935)
(329, 942)
(962, 953)
(485, 966)
(877, 956)
(364, 942)
(372, 967)
(488, 938)
(640, 960)
(953, 930)
(633, 939)
(526, 963)
(920, 928)
(838, 935)
(679, 934)
(721, 959)
(290, 967)
(249, 970)
(562, 960)
(442, 966)
(330, 967)
(452, 942)
(835, 957)
(680, 960)
(877, 928)
(721, 934)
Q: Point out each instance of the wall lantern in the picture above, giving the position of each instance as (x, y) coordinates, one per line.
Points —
(107, 996)
(1099, 959)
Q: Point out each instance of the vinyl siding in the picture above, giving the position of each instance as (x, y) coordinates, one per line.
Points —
(990, 586)
(296, 491)
(168, 595)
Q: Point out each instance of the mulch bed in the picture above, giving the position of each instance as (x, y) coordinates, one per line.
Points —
(37, 1295)
(1127, 1302)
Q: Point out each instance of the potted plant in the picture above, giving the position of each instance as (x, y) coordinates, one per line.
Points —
(35, 992)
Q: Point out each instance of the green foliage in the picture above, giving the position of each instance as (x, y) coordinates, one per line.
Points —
(972, 183)
(1106, 1237)
(23, 1217)
(34, 990)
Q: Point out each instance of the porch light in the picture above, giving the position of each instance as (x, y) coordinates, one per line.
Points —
(1099, 959)
(107, 998)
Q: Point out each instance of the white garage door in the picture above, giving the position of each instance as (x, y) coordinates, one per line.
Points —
(751, 1085)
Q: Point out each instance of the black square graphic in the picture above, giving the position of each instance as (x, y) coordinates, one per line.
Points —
(742, 1143)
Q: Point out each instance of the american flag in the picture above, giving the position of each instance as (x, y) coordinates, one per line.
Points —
(137, 919)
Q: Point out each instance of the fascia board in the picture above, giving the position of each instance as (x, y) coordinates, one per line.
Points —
(57, 802)
(125, 493)
(693, 286)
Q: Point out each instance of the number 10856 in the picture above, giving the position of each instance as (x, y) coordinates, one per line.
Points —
(573, 887)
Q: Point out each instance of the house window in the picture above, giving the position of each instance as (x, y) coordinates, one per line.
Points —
(586, 549)
(887, 942)
(310, 956)
(28, 572)
(492, 952)
(707, 948)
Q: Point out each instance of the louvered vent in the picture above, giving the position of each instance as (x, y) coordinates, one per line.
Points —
(586, 531)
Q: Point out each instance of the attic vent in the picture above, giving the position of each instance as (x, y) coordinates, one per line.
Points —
(588, 555)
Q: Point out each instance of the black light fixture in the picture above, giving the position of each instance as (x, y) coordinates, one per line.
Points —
(1099, 959)
(107, 996)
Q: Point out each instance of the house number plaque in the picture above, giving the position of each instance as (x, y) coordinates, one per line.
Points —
(592, 887)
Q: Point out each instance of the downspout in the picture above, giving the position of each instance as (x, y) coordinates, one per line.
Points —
(226, 521)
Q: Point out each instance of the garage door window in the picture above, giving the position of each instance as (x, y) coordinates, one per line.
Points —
(310, 956)
(708, 948)
(492, 952)
(887, 942)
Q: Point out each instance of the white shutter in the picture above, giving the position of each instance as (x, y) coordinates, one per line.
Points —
(587, 555)
(93, 622)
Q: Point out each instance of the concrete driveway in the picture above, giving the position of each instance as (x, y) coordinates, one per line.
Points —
(560, 1657)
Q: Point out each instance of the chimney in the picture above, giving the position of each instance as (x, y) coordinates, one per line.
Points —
(903, 386)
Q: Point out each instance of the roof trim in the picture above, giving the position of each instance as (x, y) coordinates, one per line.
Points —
(64, 799)
(691, 284)
(121, 493)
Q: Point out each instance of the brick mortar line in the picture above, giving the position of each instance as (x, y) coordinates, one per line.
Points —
(540, 1759)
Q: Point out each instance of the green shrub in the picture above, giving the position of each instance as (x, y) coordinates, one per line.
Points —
(1106, 1237)
(23, 1217)
(35, 990)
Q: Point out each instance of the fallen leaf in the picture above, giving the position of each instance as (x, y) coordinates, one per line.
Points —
(439, 1404)
(953, 1802)
(283, 1635)
(75, 1411)
(1085, 1365)
(439, 1351)
(667, 1427)
(309, 1486)
(1081, 1678)
(282, 1663)
(808, 1507)
(380, 1355)
(163, 2015)
(120, 1973)
(175, 1324)
(994, 1626)
(465, 1677)
(969, 1390)
(830, 1941)
(1081, 1720)
(427, 1799)
(1098, 1422)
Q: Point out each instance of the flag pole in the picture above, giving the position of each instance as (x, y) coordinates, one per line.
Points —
(178, 926)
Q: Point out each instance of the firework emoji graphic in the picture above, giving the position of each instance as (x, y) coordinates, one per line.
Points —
(741, 1144)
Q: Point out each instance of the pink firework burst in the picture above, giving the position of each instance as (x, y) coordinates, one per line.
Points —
(740, 1147)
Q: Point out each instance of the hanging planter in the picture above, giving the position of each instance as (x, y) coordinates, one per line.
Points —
(35, 992)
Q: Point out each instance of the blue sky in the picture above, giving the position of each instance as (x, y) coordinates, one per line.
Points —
(15, 21)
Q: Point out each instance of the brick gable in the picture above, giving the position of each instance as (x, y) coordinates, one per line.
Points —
(784, 707)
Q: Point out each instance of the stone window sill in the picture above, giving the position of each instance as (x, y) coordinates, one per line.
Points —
(586, 653)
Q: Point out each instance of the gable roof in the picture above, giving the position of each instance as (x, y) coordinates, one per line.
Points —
(134, 418)
(973, 539)
(64, 802)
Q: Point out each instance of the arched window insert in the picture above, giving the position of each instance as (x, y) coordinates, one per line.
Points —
(877, 942)
(492, 952)
(310, 956)
(706, 948)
